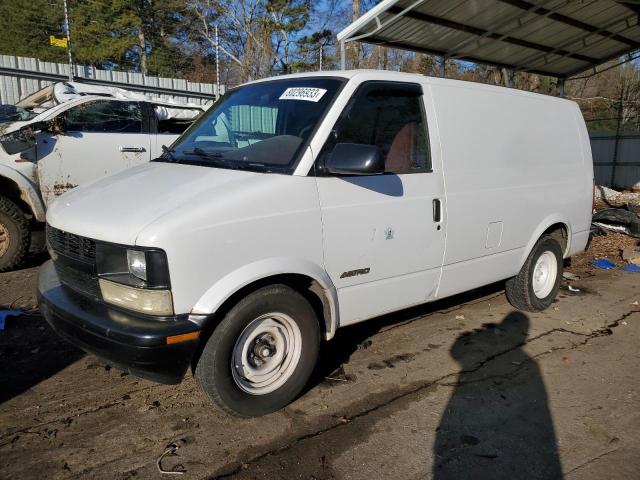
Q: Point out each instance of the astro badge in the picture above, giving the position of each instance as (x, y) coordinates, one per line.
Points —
(308, 94)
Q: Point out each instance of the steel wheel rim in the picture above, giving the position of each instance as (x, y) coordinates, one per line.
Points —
(266, 353)
(5, 240)
(545, 272)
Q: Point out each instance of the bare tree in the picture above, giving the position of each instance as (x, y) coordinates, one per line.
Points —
(258, 36)
(356, 49)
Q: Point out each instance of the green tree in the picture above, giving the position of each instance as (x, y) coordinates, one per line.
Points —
(310, 48)
(26, 26)
(128, 34)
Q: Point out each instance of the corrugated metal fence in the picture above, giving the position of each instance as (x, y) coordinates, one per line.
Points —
(20, 76)
(616, 159)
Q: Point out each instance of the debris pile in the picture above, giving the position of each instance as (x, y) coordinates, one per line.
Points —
(623, 252)
(631, 254)
(608, 246)
(614, 232)
(623, 220)
(608, 197)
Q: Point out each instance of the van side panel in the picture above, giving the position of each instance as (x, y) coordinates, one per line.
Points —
(514, 164)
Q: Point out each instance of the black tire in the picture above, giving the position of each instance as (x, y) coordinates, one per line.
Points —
(213, 371)
(14, 229)
(519, 289)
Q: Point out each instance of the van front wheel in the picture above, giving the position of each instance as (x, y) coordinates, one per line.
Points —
(536, 286)
(260, 357)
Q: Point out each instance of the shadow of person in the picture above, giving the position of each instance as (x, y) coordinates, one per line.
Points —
(497, 423)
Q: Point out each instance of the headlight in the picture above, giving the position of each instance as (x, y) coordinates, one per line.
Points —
(134, 278)
(138, 267)
(152, 302)
(137, 263)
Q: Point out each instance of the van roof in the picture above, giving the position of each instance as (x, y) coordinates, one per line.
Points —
(373, 74)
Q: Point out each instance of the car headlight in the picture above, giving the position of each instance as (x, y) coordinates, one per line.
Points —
(137, 263)
(135, 278)
(152, 302)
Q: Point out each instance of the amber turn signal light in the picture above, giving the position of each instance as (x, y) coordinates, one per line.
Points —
(185, 337)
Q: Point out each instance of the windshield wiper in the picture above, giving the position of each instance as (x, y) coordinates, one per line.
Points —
(254, 167)
(168, 153)
(202, 153)
(218, 159)
(215, 158)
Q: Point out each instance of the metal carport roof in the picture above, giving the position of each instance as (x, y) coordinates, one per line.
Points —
(559, 38)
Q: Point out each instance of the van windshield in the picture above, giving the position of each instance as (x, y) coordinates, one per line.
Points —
(261, 127)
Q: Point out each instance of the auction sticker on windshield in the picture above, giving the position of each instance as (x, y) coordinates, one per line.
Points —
(303, 93)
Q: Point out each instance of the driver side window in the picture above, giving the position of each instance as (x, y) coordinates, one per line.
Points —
(390, 116)
(105, 116)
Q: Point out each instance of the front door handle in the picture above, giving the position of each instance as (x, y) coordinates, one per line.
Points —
(437, 210)
(132, 149)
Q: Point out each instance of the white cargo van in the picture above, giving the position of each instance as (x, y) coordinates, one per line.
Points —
(305, 203)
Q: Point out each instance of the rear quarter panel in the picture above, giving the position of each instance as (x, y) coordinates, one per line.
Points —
(509, 157)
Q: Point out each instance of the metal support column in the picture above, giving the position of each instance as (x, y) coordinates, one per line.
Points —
(442, 63)
(561, 87)
(217, 63)
(68, 29)
(343, 56)
(616, 145)
(510, 77)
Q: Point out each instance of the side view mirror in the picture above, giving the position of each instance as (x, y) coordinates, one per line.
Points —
(355, 159)
(19, 140)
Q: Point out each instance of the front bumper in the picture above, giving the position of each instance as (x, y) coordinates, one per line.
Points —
(130, 341)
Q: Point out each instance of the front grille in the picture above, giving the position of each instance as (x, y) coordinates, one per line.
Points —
(71, 245)
(79, 281)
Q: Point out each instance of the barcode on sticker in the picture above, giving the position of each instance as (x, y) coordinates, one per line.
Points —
(303, 93)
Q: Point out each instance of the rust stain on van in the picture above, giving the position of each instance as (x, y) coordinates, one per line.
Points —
(58, 189)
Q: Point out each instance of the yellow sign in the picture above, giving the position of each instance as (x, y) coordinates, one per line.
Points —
(58, 42)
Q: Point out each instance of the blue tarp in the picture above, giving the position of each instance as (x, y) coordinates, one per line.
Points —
(8, 313)
(603, 264)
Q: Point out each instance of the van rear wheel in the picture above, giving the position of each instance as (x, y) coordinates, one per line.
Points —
(260, 357)
(15, 235)
(536, 286)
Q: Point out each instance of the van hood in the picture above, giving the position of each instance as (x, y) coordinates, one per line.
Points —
(117, 208)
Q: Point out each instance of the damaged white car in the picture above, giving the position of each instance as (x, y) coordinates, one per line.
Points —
(68, 134)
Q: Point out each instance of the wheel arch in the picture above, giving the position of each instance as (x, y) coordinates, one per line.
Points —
(554, 225)
(303, 276)
(23, 192)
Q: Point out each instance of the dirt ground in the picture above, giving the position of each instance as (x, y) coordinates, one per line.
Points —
(608, 246)
(461, 388)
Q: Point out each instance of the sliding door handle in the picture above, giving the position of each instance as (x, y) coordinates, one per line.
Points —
(132, 149)
(437, 210)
